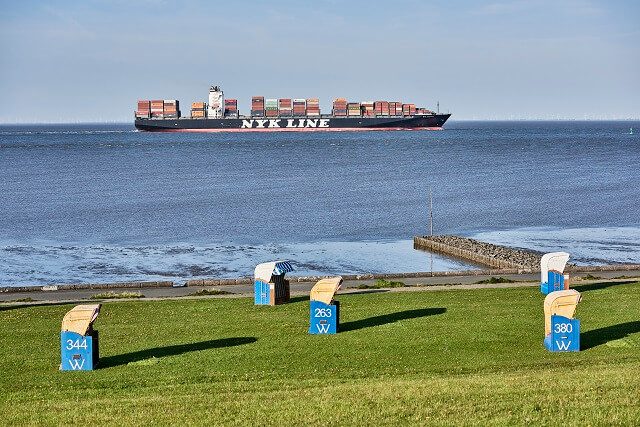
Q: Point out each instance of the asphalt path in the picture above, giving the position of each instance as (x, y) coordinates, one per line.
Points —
(303, 288)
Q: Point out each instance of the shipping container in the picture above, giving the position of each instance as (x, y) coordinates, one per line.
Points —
(286, 107)
(339, 107)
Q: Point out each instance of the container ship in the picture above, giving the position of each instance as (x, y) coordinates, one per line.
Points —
(283, 115)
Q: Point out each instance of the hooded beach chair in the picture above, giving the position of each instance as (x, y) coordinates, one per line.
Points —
(270, 286)
(552, 277)
(324, 310)
(561, 329)
(78, 340)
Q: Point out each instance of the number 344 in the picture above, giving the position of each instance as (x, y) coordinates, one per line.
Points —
(76, 344)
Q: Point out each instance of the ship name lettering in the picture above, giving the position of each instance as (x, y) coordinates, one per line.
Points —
(291, 123)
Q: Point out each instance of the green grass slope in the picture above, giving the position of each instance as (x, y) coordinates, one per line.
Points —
(454, 357)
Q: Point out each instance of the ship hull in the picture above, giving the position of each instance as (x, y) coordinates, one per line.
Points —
(293, 124)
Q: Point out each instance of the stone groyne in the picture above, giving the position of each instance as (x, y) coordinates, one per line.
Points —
(488, 254)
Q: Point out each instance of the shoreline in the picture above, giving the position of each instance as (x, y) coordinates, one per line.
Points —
(310, 279)
(498, 260)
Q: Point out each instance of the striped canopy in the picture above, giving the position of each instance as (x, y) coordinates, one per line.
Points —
(265, 270)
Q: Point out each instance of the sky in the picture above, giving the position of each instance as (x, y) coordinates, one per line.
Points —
(91, 60)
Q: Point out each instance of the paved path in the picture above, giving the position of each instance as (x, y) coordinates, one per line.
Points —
(303, 288)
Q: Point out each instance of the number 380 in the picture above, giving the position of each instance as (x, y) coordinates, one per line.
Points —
(562, 328)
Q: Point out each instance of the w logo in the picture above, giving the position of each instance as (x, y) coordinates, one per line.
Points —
(563, 345)
(323, 329)
(76, 364)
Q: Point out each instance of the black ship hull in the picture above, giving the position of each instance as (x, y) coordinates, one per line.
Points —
(293, 124)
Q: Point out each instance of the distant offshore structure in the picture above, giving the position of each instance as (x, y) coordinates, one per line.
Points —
(284, 115)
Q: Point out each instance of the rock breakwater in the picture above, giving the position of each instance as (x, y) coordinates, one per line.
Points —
(488, 254)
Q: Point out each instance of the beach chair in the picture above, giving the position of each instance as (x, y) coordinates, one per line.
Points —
(78, 340)
(270, 286)
(552, 277)
(324, 311)
(561, 329)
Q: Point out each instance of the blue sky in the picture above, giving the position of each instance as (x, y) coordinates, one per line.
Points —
(91, 60)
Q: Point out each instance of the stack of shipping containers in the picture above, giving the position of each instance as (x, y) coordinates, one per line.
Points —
(285, 107)
(377, 107)
(353, 109)
(157, 107)
(144, 109)
(395, 108)
(381, 108)
(299, 108)
(231, 108)
(313, 107)
(271, 107)
(257, 106)
(367, 109)
(339, 107)
(408, 109)
(197, 110)
(171, 109)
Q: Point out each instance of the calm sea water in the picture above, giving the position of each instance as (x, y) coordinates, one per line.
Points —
(104, 203)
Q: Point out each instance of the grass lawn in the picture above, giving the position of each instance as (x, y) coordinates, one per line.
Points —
(432, 357)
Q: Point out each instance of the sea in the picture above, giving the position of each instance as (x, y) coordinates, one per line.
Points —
(104, 203)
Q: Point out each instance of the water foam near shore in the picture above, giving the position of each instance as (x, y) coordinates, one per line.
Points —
(50, 263)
